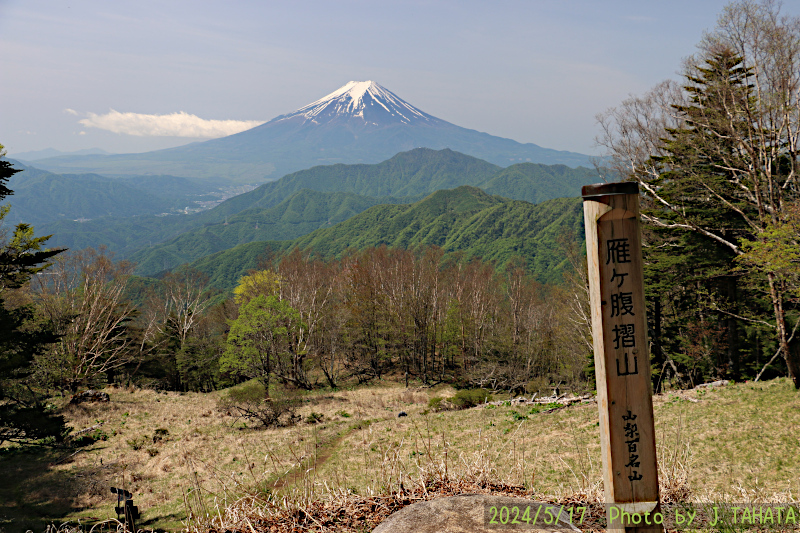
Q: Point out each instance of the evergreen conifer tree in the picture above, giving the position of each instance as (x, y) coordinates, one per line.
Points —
(693, 284)
(23, 418)
(719, 158)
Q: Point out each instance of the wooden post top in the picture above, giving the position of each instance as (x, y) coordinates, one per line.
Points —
(606, 189)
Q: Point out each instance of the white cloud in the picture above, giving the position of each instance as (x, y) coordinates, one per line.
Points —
(173, 125)
(71, 111)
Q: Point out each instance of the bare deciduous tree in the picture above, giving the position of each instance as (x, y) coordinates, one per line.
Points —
(83, 295)
(186, 297)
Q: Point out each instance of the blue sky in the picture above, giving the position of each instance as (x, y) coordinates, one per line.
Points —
(531, 70)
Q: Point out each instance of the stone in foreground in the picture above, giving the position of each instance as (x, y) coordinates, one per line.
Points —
(471, 513)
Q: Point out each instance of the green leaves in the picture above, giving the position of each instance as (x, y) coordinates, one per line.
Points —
(264, 334)
(776, 250)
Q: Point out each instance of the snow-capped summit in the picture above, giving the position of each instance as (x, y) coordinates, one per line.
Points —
(365, 100)
(360, 122)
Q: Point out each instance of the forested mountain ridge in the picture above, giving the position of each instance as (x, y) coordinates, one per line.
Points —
(42, 197)
(301, 213)
(427, 222)
(534, 182)
(464, 219)
(417, 173)
(422, 171)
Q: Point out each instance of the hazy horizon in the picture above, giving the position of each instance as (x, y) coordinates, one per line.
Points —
(127, 77)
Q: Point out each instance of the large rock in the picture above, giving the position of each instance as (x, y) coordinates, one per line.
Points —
(90, 396)
(472, 513)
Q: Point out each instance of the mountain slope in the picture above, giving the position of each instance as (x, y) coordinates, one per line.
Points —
(159, 243)
(463, 220)
(536, 183)
(361, 122)
(415, 173)
(300, 214)
(426, 222)
(418, 171)
(41, 197)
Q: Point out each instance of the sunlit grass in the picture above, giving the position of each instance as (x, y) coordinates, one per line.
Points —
(736, 442)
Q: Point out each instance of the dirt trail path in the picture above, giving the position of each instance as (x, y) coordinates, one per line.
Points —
(324, 451)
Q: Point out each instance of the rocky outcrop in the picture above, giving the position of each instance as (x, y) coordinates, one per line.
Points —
(90, 396)
(476, 513)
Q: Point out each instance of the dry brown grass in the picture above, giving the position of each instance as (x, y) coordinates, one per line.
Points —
(352, 513)
(207, 460)
(551, 457)
(732, 443)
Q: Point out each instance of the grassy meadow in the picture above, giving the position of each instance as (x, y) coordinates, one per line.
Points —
(185, 460)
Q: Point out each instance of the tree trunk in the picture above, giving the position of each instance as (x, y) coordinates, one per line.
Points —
(265, 381)
(783, 335)
(656, 351)
(329, 373)
(733, 334)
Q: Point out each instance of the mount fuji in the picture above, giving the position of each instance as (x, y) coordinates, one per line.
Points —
(361, 101)
(361, 122)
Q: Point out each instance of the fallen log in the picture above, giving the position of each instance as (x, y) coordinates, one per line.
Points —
(563, 399)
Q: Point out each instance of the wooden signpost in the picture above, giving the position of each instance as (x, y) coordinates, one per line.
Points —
(622, 361)
(127, 513)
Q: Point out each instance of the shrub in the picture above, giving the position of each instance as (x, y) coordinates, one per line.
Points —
(437, 404)
(90, 438)
(434, 403)
(251, 402)
(314, 418)
(546, 407)
(466, 398)
(137, 443)
(538, 384)
(83, 440)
